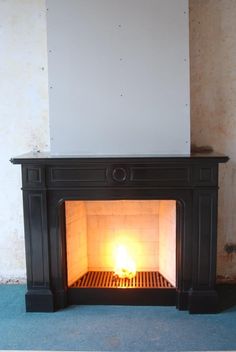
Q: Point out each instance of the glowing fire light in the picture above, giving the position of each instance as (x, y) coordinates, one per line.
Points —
(125, 266)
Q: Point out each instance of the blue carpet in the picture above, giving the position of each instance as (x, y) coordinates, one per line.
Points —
(111, 328)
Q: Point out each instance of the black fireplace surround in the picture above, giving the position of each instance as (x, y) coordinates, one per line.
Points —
(48, 181)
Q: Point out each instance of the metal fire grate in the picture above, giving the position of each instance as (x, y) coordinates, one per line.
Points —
(107, 279)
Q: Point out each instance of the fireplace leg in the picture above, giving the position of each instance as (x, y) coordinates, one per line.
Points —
(203, 302)
(39, 301)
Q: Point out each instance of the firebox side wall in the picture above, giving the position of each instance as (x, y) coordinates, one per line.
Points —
(76, 240)
(119, 77)
(167, 240)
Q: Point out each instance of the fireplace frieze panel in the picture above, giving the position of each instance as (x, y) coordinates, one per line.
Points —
(120, 175)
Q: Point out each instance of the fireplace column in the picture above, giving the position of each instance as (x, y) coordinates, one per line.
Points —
(203, 296)
(39, 296)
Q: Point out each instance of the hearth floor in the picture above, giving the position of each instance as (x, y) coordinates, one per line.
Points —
(107, 279)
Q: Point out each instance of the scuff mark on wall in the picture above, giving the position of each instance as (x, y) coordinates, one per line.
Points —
(213, 105)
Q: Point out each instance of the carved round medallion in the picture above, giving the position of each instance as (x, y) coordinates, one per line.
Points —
(119, 174)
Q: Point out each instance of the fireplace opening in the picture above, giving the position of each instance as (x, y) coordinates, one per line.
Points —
(121, 244)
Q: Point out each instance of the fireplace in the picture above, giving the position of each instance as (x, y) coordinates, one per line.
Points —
(121, 230)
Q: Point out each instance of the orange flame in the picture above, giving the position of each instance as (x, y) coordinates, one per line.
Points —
(125, 266)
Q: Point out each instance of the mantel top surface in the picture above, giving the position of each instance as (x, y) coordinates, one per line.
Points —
(47, 158)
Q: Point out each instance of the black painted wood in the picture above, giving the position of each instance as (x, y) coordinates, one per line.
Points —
(37, 252)
(120, 296)
(192, 181)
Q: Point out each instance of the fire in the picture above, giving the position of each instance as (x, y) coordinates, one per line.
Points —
(124, 265)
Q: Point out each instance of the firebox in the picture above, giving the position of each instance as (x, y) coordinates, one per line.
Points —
(121, 244)
(120, 230)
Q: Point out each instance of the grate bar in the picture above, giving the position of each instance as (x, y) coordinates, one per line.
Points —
(107, 279)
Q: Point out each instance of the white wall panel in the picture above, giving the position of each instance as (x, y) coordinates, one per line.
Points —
(119, 77)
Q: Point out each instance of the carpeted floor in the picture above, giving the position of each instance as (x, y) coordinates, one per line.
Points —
(111, 328)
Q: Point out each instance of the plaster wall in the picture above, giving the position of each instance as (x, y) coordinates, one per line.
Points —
(23, 116)
(213, 105)
(24, 110)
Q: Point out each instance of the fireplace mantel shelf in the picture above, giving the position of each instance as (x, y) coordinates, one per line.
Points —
(47, 158)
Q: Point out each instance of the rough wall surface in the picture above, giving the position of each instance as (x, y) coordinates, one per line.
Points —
(213, 105)
(24, 110)
(23, 116)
